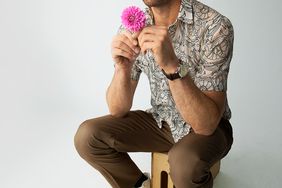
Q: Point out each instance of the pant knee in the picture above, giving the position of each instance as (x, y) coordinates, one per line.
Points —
(186, 166)
(84, 136)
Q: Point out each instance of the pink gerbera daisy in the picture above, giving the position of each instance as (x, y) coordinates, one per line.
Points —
(133, 18)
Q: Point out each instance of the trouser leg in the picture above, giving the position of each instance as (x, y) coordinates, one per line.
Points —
(104, 141)
(190, 159)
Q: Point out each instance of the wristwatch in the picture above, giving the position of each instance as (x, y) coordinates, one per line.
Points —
(180, 72)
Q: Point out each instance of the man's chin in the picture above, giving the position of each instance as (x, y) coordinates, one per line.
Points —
(155, 3)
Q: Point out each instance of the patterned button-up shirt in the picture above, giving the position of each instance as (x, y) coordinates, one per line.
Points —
(203, 40)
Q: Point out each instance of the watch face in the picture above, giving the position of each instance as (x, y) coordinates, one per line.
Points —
(183, 70)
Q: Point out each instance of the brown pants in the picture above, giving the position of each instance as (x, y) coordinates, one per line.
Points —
(104, 142)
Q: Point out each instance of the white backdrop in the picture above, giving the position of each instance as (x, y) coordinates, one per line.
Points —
(55, 66)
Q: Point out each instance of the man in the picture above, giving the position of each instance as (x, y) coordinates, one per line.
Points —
(185, 51)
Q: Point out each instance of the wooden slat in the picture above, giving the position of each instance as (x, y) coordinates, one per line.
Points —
(160, 163)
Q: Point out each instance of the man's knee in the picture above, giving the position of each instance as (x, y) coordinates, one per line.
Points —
(84, 138)
(186, 165)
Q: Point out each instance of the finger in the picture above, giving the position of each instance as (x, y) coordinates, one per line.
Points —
(123, 38)
(155, 29)
(135, 35)
(158, 32)
(123, 46)
(129, 43)
(147, 38)
(119, 52)
(147, 46)
(132, 37)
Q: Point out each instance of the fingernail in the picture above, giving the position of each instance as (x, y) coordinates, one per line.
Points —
(136, 50)
(135, 42)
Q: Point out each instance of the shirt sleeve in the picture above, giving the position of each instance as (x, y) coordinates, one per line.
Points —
(135, 71)
(215, 56)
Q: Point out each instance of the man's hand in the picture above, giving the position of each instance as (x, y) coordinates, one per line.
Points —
(125, 49)
(121, 90)
(158, 40)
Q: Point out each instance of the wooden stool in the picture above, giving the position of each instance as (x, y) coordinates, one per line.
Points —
(160, 171)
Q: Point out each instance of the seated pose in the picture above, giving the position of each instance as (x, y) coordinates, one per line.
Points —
(185, 50)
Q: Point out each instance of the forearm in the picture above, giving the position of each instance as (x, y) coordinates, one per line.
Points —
(200, 111)
(119, 94)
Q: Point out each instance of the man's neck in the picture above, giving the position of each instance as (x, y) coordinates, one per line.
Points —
(166, 14)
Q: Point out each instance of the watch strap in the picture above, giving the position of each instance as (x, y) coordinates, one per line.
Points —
(172, 76)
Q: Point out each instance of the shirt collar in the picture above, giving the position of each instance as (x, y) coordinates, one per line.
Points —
(185, 13)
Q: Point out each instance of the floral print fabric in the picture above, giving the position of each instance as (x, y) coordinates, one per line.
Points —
(203, 40)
